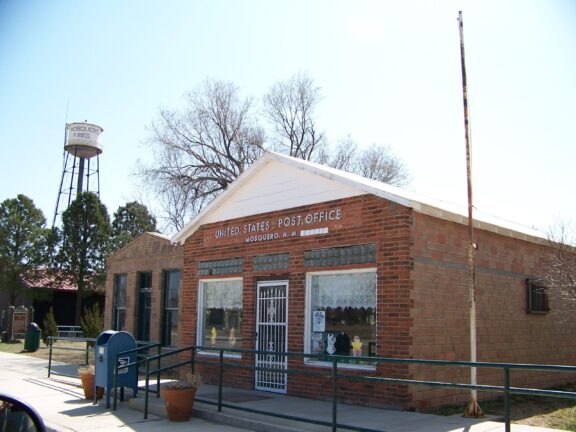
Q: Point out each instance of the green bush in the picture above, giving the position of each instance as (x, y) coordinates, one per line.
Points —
(50, 326)
(92, 322)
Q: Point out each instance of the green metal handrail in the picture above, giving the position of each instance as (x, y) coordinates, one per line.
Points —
(337, 363)
(137, 350)
(52, 339)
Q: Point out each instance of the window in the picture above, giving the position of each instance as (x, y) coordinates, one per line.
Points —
(536, 297)
(171, 292)
(220, 313)
(144, 306)
(119, 318)
(341, 313)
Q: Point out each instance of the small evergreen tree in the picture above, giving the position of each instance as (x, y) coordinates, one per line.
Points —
(92, 322)
(50, 326)
(24, 245)
(84, 246)
(129, 222)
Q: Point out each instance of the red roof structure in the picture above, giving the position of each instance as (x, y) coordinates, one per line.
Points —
(52, 279)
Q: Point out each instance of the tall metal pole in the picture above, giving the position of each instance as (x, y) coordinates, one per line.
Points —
(473, 409)
(80, 181)
(65, 157)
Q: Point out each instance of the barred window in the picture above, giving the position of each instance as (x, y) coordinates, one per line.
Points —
(536, 297)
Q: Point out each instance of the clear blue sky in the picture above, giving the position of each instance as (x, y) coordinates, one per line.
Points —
(389, 72)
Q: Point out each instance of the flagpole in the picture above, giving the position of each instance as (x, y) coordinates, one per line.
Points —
(473, 409)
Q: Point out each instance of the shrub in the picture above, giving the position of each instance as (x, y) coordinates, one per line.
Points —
(92, 321)
(188, 379)
(88, 369)
(50, 326)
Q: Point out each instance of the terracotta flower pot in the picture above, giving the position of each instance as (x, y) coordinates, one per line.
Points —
(88, 387)
(179, 403)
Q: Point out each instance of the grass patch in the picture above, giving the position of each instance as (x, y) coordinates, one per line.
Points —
(71, 352)
(12, 347)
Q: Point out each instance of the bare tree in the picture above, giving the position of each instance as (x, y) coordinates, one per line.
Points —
(375, 162)
(560, 269)
(345, 155)
(289, 106)
(199, 151)
(379, 163)
(180, 205)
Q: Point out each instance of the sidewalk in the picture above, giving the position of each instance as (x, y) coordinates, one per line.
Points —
(60, 402)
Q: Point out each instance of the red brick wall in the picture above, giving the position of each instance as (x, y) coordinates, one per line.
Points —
(422, 299)
(365, 219)
(505, 332)
(147, 253)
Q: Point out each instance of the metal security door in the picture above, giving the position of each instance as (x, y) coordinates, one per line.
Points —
(272, 335)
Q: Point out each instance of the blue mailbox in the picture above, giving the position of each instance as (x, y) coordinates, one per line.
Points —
(109, 344)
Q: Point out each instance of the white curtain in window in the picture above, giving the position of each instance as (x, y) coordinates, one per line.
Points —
(355, 290)
(223, 295)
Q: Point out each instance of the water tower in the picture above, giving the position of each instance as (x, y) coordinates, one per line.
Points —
(81, 171)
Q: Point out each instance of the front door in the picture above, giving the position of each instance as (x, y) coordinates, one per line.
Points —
(272, 335)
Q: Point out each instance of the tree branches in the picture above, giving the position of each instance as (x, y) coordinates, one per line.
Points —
(560, 270)
(375, 162)
(290, 108)
(200, 150)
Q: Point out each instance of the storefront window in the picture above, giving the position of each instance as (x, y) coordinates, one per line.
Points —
(221, 312)
(342, 314)
(120, 283)
(170, 325)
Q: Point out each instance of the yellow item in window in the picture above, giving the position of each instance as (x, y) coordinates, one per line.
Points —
(356, 347)
(214, 334)
(232, 338)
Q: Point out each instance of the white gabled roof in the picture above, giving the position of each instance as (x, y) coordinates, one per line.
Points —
(272, 183)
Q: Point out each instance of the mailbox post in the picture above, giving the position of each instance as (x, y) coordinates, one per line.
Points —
(108, 345)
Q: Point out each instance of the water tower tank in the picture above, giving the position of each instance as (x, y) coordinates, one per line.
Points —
(81, 172)
(82, 140)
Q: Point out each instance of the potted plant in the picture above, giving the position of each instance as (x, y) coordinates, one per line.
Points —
(179, 396)
(87, 377)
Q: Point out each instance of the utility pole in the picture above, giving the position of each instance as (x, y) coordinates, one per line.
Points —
(473, 409)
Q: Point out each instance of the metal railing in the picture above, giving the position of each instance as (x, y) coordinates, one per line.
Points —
(158, 371)
(141, 357)
(337, 372)
(88, 350)
(89, 344)
(70, 331)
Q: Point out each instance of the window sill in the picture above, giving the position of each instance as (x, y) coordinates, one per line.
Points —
(341, 365)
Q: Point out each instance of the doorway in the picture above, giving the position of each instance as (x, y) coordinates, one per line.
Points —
(271, 335)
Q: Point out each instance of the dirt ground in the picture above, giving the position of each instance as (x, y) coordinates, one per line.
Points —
(555, 413)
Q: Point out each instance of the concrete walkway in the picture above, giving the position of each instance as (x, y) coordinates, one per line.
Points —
(348, 415)
(60, 402)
